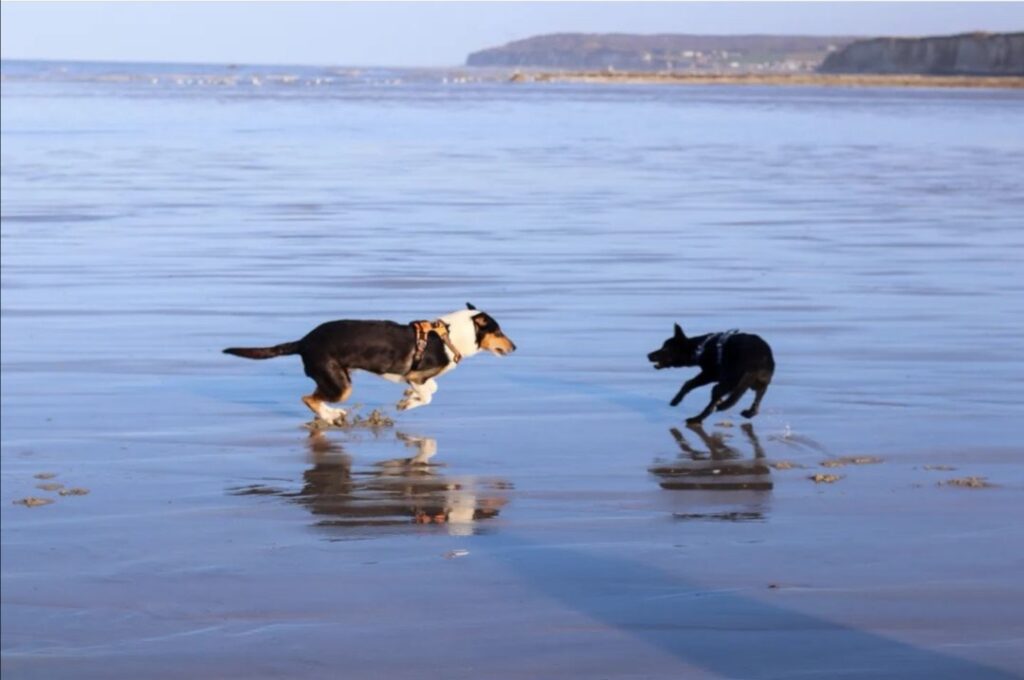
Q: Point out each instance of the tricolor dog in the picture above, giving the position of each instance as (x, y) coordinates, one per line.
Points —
(415, 353)
(735, 361)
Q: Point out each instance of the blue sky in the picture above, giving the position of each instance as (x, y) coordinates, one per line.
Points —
(427, 33)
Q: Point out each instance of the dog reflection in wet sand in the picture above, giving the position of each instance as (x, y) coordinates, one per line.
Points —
(396, 492)
(720, 467)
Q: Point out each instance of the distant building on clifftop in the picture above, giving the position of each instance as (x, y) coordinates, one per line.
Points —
(666, 52)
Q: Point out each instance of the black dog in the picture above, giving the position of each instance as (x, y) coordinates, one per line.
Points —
(735, 361)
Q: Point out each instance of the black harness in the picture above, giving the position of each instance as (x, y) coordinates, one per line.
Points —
(719, 339)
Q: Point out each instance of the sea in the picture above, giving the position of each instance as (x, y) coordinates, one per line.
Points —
(153, 214)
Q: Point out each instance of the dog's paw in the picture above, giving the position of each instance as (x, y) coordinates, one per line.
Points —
(407, 404)
(675, 401)
(748, 413)
(696, 420)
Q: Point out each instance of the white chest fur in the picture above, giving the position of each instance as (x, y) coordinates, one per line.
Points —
(462, 332)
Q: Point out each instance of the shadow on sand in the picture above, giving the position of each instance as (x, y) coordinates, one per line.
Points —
(730, 633)
(733, 634)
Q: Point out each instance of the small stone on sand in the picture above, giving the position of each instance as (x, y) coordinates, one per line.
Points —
(50, 486)
(821, 478)
(45, 475)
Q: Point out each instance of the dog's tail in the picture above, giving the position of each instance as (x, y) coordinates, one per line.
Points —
(745, 382)
(264, 352)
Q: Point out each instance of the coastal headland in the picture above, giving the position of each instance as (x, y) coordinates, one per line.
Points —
(991, 60)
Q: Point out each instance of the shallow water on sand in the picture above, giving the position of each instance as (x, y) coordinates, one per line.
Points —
(551, 521)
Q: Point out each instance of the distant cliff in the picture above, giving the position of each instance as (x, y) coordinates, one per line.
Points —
(969, 54)
(667, 52)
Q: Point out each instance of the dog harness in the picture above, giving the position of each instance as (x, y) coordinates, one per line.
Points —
(423, 330)
(720, 339)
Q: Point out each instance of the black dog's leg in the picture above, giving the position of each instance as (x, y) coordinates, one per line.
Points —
(744, 384)
(760, 387)
(717, 392)
(693, 383)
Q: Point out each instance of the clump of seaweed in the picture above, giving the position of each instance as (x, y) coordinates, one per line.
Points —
(968, 482)
(33, 501)
(850, 460)
(823, 478)
(74, 491)
(785, 465)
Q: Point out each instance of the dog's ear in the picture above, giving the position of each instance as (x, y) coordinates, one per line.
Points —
(679, 332)
(469, 305)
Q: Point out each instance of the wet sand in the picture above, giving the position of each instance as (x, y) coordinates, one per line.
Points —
(548, 515)
(262, 550)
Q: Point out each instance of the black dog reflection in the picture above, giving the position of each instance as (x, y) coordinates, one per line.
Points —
(706, 474)
(719, 468)
(394, 492)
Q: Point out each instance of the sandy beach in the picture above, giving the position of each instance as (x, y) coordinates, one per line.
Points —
(783, 79)
(548, 515)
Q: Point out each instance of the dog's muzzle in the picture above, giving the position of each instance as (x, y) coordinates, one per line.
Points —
(502, 350)
(656, 360)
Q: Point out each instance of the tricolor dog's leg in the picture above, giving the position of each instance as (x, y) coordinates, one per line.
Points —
(333, 384)
(317, 404)
(418, 394)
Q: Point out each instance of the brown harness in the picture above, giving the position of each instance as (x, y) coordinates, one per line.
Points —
(423, 330)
